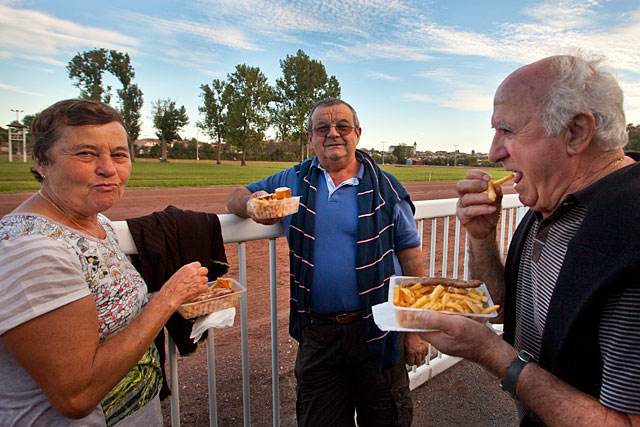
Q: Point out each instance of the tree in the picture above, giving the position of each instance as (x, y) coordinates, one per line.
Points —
(87, 68)
(304, 82)
(634, 137)
(214, 110)
(247, 96)
(130, 95)
(168, 121)
(402, 152)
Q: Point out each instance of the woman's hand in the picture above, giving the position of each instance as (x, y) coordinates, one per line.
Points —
(185, 284)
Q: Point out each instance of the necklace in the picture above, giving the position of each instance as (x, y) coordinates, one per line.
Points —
(612, 166)
(111, 247)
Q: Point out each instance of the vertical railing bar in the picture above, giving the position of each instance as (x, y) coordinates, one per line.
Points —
(275, 373)
(445, 245)
(456, 249)
(244, 333)
(432, 255)
(211, 374)
(421, 231)
(173, 381)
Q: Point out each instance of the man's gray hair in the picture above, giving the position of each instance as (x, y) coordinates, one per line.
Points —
(328, 102)
(584, 85)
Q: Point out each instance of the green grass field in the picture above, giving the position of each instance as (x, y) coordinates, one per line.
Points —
(16, 178)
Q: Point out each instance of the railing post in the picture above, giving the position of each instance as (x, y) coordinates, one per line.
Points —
(275, 372)
(173, 381)
(211, 374)
(244, 332)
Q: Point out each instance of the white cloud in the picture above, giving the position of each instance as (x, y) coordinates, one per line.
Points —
(18, 90)
(371, 50)
(631, 100)
(45, 36)
(208, 33)
(526, 42)
(565, 14)
(440, 74)
(468, 100)
(418, 97)
(374, 75)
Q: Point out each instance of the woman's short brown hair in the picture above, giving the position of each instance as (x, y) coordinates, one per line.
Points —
(48, 124)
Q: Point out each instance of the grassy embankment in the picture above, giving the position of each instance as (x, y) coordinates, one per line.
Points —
(16, 178)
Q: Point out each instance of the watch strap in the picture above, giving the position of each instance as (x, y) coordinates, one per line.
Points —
(513, 373)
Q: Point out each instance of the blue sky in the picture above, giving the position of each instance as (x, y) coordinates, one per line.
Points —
(416, 71)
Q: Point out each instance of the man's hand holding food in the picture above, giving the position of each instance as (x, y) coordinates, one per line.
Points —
(476, 211)
(252, 214)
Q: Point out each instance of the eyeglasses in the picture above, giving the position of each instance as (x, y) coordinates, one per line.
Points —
(341, 128)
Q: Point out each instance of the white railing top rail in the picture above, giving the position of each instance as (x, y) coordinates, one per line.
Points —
(236, 229)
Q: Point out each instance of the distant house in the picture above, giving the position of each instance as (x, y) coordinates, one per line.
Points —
(146, 142)
(413, 161)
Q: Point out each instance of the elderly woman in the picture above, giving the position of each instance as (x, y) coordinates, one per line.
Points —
(76, 324)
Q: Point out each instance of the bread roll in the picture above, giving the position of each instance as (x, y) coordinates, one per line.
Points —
(283, 193)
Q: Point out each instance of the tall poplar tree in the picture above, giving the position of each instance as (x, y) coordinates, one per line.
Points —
(304, 82)
(87, 69)
(247, 96)
(168, 121)
(215, 112)
(129, 96)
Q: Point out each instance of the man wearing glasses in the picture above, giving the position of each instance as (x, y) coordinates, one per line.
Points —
(354, 229)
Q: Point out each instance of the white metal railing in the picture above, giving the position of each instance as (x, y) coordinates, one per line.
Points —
(238, 230)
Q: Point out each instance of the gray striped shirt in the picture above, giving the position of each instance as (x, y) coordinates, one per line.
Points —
(619, 332)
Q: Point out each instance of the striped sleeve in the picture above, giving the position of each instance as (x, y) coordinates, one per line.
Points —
(620, 346)
(37, 275)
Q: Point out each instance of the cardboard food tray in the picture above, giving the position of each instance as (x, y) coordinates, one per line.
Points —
(414, 318)
(211, 305)
(265, 209)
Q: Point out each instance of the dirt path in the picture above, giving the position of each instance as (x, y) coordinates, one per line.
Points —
(464, 395)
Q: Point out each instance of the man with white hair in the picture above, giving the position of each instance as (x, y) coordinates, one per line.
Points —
(570, 287)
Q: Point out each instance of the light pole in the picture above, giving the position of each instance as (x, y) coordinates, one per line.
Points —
(17, 114)
(24, 140)
(383, 152)
(455, 155)
(197, 152)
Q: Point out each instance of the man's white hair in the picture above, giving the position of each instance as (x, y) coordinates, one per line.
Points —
(584, 85)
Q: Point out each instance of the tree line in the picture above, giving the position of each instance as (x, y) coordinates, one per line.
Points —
(235, 112)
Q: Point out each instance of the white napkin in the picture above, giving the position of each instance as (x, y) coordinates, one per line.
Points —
(385, 318)
(220, 319)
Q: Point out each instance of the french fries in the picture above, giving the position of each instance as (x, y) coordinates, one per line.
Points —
(492, 184)
(442, 298)
(275, 205)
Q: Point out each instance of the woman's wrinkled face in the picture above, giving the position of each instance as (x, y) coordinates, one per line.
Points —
(88, 167)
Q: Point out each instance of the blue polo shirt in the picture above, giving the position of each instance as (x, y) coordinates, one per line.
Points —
(335, 285)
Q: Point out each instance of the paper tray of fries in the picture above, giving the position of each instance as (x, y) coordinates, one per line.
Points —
(214, 303)
(265, 209)
(471, 302)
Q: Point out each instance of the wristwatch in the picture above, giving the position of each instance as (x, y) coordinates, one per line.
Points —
(513, 373)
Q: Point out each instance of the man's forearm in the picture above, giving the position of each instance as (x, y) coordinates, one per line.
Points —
(237, 202)
(486, 265)
(559, 404)
(411, 261)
